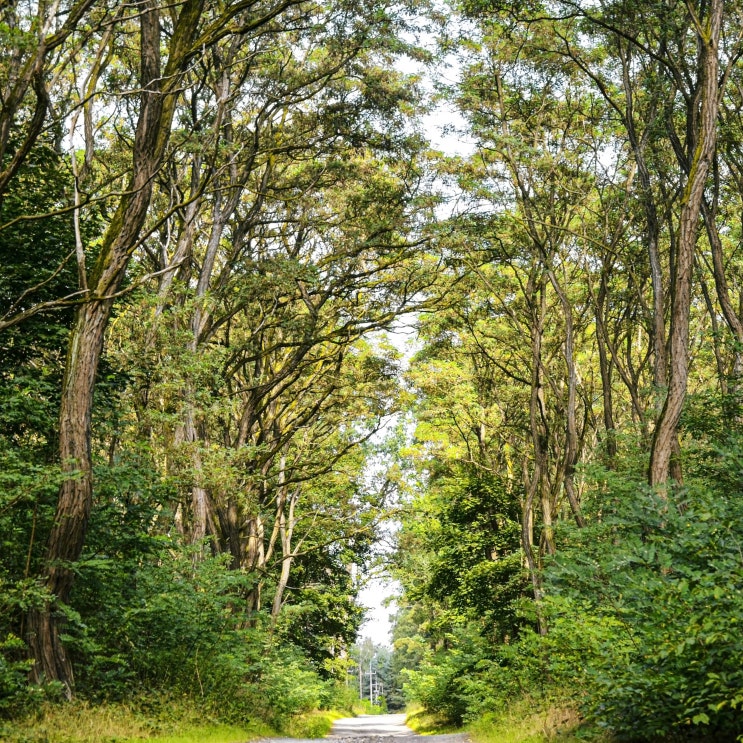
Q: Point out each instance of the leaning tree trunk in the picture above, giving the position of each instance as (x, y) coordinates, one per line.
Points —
(75, 496)
(678, 373)
(66, 540)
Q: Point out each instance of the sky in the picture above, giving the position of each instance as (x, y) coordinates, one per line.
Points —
(377, 626)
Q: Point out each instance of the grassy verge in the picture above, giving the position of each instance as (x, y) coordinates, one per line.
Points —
(211, 734)
(427, 723)
(173, 722)
(525, 722)
(312, 724)
(170, 721)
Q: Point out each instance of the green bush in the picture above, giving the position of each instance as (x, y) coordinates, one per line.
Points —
(13, 673)
(645, 610)
(457, 682)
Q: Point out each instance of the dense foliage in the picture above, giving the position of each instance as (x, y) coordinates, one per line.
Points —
(208, 211)
(573, 535)
(211, 213)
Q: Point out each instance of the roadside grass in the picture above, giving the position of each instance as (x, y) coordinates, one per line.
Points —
(211, 734)
(427, 723)
(169, 721)
(311, 724)
(528, 722)
(524, 721)
(173, 722)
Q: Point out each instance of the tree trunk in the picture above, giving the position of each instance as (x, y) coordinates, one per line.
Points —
(75, 497)
(535, 483)
(722, 376)
(572, 449)
(733, 386)
(691, 205)
(287, 522)
(605, 368)
(66, 540)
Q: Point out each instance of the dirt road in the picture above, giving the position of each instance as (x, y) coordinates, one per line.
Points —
(376, 729)
(383, 728)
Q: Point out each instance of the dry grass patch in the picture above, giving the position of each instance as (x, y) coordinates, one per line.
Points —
(524, 722)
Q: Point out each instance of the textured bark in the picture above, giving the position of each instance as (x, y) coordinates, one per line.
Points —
(716, 344)
(229, 525)
(287, 503)
(666, 426)
(202, 513)
(67, 536)
(255, 560)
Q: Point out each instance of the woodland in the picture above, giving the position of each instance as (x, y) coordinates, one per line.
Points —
(219, 221)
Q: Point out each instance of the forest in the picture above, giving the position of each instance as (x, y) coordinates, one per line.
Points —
(264, 332)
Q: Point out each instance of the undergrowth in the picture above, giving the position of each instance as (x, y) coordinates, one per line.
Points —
(174, 721)
(522, 722)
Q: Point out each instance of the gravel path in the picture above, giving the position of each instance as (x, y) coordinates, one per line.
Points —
(377, 729)
(383, 729)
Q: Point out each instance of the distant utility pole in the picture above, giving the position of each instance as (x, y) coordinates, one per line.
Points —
(373, 684)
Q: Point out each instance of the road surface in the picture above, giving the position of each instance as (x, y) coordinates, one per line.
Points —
(376, 729)
(384, 729)
(371, 726)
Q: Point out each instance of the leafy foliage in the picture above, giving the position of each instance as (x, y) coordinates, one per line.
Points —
(648, 602)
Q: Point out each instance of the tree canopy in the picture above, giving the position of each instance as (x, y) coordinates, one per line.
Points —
(214, 219)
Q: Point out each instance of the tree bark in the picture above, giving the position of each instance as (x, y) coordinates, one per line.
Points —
(605, 368)
(691, 206)
(287, 522)
(734, 386)
(66, 540)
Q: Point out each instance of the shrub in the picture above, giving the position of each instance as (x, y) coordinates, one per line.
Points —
(645, 611)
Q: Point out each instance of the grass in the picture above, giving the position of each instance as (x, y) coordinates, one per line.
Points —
(312, 724)
(211, 734)
(173, 722)
(525, 722)
(427, 723)
(164, 721)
